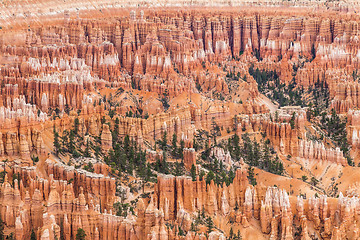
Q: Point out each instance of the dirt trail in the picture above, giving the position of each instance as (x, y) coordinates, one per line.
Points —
(273, 107)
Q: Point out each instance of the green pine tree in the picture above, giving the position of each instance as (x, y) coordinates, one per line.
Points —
(80, 235)
(209, 225)
(210, 176)
(57, 145)
(181, 149)
(164, 164)
(164, 140)
(179, 170)
(231, 234)
(174, 145)
(33, 235)
(251, 176)
(76, 125)
(87, 149)
(193, 172)
(201, 175)
(292, 121)
(2, 236)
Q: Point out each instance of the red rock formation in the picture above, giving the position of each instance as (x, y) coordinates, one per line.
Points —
(189, 158)
(170, 195)
(346, 97)
(220, 155)
(316, 151)
(96, 187)
(57, 68)
(106, 138)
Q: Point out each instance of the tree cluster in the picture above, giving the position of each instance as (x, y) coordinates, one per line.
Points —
(269, 84)
(319, 101)
(217, 172)
(122, 209)
(70, 142)
(165, 100)
(336, 131)
(254, 154)
(126, 156)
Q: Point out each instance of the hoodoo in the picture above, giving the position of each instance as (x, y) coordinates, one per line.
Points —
(179, 120)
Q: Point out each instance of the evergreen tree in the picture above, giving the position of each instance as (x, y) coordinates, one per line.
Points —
(181, 149)
(2, 236)
(3, 173)
(201, 175)
(111, 113)
(336, 130)
(215, 129)
(251, 176)
(76, 125)
(209, 225)
(10, 236)
(87, 149)
(80, 235)
(193, 172)
(97, 151)
(210, 176)
(313, 51)
(174, 145)
(292, 121)
(165, 100)
(236, 147)
(179, 170)
(89, 167)
(61, 231)
(266, 157)
(206, 144)
(203, 212)
(231, 177)
(164, 165)
(71, 142)
(148, 173)
(164, 141)
(33, 235)
(56, 142)
(314, 181)
(236, 206)
(126, 143)
(66, 109)
(195, 145)
(238, 237)
(231, 234)
(256, 153)
(115, 133)
(280, 168)
(194, 227)
(65, 141)
(181, 232)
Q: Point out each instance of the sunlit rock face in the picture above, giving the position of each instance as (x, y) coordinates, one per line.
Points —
(159, 120)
